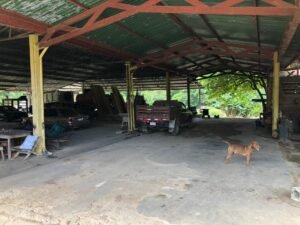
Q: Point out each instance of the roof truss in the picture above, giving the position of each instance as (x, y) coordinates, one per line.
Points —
(208, 48)
(94, 20)
(291, 31)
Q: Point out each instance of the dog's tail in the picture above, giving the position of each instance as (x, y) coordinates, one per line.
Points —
(226, 142)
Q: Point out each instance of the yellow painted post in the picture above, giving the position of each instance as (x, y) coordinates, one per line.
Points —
(275, 93)
(130, 97)
(168, 87)
(37, 93)
(269, 94)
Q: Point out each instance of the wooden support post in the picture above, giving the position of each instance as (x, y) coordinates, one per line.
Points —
(36, 69)
(130, 97)
(275, 93)
(168, 87)
(188, 87)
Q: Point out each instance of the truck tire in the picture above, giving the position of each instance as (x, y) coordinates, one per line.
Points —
(145, 129)
(176, 129)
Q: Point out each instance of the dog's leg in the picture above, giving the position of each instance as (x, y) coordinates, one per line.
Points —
(228, 156)
(248, 159)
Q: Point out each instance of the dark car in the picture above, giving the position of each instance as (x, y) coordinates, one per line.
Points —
(68, 117)
(9, 114)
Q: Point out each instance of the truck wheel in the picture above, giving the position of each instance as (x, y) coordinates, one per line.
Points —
(175, 130)
(145, 129)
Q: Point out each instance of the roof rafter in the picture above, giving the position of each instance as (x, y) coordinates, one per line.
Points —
(19, 21)
(208, 48)
(289, 34)
(135, 33)
(226, 7)
(189, 31)
(207, 61)
(257, 27)
(214, 31)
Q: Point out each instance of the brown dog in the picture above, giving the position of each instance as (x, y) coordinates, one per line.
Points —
(241, 150)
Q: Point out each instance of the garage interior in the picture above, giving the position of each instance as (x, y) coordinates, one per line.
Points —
(104, 53)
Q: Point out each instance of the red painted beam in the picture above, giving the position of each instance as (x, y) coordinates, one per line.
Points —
(208, 48)
(240, 11)
(227, 7)
(76, 2)
(19, 21)
(16, 20)
(215, 44)
(289, 34)
(92, 24)
(123, 27)
(119, 25)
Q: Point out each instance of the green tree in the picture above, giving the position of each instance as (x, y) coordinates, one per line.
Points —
(180, 95)
(10, 95)
(234, 93)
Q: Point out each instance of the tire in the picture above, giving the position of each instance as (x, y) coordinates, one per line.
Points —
(145, 129)
(176, 129)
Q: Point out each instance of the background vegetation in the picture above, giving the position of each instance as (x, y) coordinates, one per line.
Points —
(226, 96)
(10, 94)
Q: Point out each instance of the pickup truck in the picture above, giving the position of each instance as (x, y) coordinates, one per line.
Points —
(167, 115)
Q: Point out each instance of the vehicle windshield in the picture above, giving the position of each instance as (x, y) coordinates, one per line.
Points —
(183, 107)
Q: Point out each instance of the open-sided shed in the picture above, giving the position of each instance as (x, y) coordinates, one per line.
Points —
(188, 39)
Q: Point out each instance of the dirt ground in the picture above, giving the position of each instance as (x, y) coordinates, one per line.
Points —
(154, 179)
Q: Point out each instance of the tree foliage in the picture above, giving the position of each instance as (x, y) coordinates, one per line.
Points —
(180, 95)
(10, 95)
(233, 94)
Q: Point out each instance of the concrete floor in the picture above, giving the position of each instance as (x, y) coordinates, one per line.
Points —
(80, 141)
(158, 179)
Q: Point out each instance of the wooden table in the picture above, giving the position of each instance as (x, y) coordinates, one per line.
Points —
(9, 135)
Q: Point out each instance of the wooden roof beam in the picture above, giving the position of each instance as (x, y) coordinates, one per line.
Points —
(291, 30)
(137, 34)
(226, 7)
(208, 48)
(19, 21)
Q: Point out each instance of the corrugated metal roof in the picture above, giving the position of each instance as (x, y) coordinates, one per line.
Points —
(49, 11)
(143, 34)
(159, 27)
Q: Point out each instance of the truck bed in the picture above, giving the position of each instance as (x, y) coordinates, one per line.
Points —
(154, 113)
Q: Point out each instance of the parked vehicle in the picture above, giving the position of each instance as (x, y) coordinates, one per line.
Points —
(168, 115)
(9, 114)
(67, 117)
